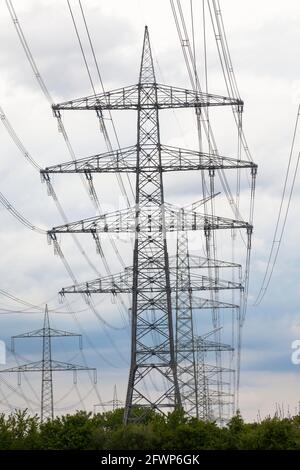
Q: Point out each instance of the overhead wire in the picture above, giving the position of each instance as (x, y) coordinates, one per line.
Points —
(106, 135)
(15, 213)
(17, 140)
(21, 147)
(188, 56)
(50, 100)
(62, 129)
(41, 83)
(108, 143)
(232, 89)
(282, 216)
(190, 60)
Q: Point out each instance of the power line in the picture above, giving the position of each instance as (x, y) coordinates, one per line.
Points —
(27, 155)
(279, 232)
(15, 213)
(106, 135)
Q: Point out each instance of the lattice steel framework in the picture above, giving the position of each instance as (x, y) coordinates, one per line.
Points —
(151, 280)
(47, 365)
(185, 344)
(194, 374)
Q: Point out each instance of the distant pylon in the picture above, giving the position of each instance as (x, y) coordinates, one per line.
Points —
(209, 375)
(185, 347)
(192, 371)
(47, 365)
(115, 403)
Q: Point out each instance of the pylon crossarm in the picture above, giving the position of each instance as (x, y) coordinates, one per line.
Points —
(120, 98)
(129, 98)
(175, 97)
(40, 333)
(117, 283)
(202, 303)
(198, 282)
(122, 283)
(115, 161)
(212, 370)
(215, 393)
(202, 345)
(202, 262)
(29, 334)
(206, 345)
(211, 381)
(149, 222)
(172, 159)
(53, 365)
(30, 367)
(181, 159)
(64, 366)
(61, 333)
(109, 222)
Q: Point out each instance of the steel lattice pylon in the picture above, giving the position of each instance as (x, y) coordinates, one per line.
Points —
(47, 411)
(47, 365)
(151, 280)
(185, 347)
(148, 359)
(192, 370)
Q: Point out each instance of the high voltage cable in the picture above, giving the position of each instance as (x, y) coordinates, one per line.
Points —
(81, 48)
(107, 139)
(17, 141)
(190, 60)
(40, 80)
(19, 216)
(213, 246)
(18, 300)
(58, 248)
(50, 100)
(221, 33)
(106, 135)
(22, 148)
(26, 154)
(278, 233)
(232, 90)
(207, 129)
(8, 205)
(103, 126)
(37, 167)
(91, 189)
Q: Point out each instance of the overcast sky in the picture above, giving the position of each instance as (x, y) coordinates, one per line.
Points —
(263, 38)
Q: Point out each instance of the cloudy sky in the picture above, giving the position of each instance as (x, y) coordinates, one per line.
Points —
(264, 42)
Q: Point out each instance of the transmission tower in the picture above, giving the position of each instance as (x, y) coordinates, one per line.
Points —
(192, 369)
(152, 280)
(47, 365)
(185, 347)
(208, 376)
(115, 403)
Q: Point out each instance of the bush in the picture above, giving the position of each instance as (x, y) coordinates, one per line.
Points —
(176, 431)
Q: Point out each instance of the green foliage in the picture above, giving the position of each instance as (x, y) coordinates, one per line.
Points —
(176, 431)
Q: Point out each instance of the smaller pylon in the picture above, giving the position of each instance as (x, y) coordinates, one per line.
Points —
(47, 365)
(209, 375)
(115, 403)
